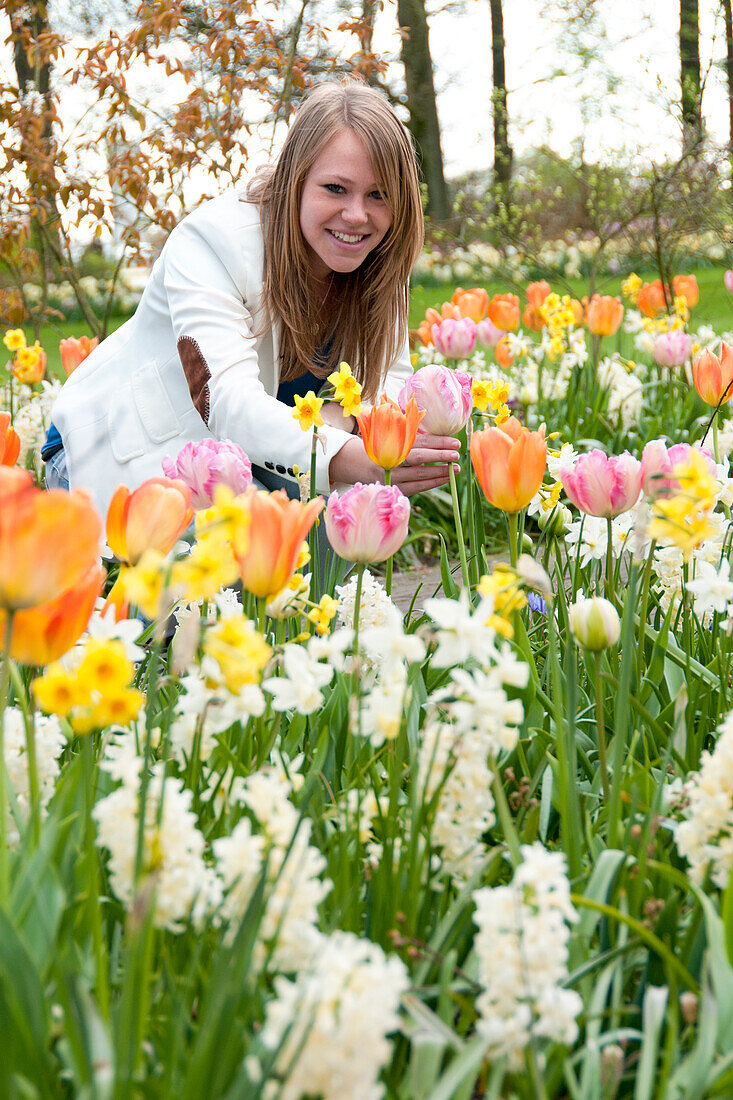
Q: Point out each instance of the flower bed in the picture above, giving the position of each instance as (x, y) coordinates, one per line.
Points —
(279, 839)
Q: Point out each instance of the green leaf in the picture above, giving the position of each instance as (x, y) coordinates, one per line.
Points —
(461, 1071)
(655, 1004)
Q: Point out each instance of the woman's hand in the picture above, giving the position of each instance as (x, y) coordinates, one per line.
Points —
(334, 415)
(417, 473)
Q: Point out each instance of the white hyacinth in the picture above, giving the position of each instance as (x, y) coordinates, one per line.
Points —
(522, 950)
(173, 850)
(375, 607)
(332, 1023)
(49, 743)
(705, 837)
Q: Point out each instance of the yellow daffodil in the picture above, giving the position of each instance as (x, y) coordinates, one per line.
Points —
(307, 410)
(630, 287)
(14, 339)
(56, 692)
(239, 649)
(347, 391)
(322, 613)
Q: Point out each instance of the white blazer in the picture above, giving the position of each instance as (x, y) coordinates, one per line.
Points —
(189, 366)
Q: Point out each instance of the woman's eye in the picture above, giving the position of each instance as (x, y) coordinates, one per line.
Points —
(334, 188)
(377, 195)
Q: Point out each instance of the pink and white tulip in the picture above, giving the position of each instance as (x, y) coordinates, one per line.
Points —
(488, 334)
(210, 462)
(672, 349)
(658, 461)
(728, 280)
(444, 395)
(602, 486)
(367, 523)
(455, 339)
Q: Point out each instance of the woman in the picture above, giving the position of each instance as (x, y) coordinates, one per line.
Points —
(258, 295)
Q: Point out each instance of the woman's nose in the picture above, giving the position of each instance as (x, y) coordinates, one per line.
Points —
(354, 210)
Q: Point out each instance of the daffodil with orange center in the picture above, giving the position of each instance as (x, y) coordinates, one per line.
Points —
(279, 526)
(509, 463)
(48, 540)
(29, 365)
(388, 432)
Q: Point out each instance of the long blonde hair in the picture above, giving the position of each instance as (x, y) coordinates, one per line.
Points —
(364, 317)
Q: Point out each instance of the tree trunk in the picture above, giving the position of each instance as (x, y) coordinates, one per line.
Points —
(690, 73)
(728, 13)
(424, 126)
(503, 155)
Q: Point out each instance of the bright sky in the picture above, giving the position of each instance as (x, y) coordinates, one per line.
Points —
(640, 48)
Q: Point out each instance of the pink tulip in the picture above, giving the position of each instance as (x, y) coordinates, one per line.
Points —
(488, 334)
(211, 462)
(455, 339)
(445, 396)
(367, 523)
(603, 486)
(658, 461)
(728, 280)
(672, 349)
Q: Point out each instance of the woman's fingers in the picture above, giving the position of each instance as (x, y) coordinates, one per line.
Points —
(418, 479)
(433, 448)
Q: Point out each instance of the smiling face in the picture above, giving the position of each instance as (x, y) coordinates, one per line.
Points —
(343, 215)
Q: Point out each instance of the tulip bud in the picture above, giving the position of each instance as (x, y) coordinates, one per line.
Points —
(672, 349)
(455, 339)
(488, 334)
(208, 463)
(728, 280)
(595, 623)
(444, 395)
(612, 1069)
(555, 521)
(367, 523)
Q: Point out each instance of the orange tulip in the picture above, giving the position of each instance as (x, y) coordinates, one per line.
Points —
(685, 286)
(604, 314)
(29, 365)
(449, 311)
(578, 311)
(279, 526)
(152, 517)
(502, 354)
(9, 441)
(388, 432)
(473, 303)
(44, 633)
(651, 299)
(509, 462)
(504, 311)
(536, 294)
(424, 329)
(73, 351)
(713, 376)
(48, 540)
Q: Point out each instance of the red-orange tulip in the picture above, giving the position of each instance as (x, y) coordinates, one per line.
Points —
(473, 303)
(152, 517)
(651, 300)
(9, 441)
(388, 432)
(509, 462)
(685, 286)
(44, 633)
(713, 375)
(74, 351)
(502, 354)
(48, 540)
(504, 311)
(279, 526)
(604, 314)
(536, 294)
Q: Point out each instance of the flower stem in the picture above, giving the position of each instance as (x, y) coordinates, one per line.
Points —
(4, 699)
(512, 523)
(600, 724)
(357, 604)
(459, 527)
(313, 533)
(609, 559)
(389, 562)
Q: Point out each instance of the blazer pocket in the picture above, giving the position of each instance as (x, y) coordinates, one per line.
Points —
(126, 435)
(153, 404)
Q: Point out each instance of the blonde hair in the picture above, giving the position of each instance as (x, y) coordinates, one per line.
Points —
(364, 317)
